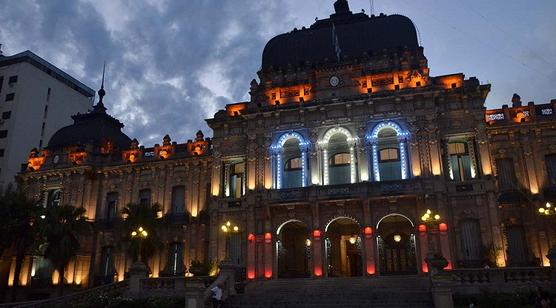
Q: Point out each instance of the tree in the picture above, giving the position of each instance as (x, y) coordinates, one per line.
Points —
(61, 229)
(18, 227)
(141, 216)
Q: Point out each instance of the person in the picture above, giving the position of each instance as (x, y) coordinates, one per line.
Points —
(217, 301)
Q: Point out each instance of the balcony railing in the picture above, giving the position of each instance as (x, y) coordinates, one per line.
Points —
(387, 188)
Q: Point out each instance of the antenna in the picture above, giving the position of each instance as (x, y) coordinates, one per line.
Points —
(372, 4)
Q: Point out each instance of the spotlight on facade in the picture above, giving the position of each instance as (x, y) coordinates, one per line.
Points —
(308, 242)
(352, 239)
(397, 238)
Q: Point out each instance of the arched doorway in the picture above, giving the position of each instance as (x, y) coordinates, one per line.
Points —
(343, 248)
(396, 245)
(293, 250)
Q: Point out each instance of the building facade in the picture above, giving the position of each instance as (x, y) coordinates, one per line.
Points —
(349, 160)
(37, 100)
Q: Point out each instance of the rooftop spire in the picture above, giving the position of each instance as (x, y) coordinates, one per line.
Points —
(100, 106)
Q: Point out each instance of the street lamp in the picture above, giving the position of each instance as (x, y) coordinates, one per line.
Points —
(140, 234)
(547, 210)
(430, 219)
(228, 228)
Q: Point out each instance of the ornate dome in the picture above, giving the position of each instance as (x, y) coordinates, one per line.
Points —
(94, 128)
(357, 34)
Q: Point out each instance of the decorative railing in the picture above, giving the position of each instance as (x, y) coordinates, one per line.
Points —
(496, 279)
(327, 192)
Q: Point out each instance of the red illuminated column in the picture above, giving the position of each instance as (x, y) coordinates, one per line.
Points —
(445, 244)
(424, 244)
(251, 243)
(268, 255)
(317, 253)
(369, 250)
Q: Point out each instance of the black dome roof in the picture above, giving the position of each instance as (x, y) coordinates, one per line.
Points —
(357, 34)
(91, 128)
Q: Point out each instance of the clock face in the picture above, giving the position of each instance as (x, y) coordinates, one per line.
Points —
(334, 81)
(56, 159)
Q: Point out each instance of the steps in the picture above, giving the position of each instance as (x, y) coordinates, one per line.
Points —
(406, 291)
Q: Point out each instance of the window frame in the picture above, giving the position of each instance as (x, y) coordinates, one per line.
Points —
(332, 160)
(390, 160)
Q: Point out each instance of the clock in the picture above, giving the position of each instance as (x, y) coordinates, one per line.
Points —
(56, 159)
(334, 81)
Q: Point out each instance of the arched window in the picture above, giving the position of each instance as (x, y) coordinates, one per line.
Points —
(389, 156)
(339, 162)
(290, 165)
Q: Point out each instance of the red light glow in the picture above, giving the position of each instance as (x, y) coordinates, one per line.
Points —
(443, 227)
(316, 234)
(422, 228)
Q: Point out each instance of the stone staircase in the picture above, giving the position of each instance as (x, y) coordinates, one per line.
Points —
(406, 291)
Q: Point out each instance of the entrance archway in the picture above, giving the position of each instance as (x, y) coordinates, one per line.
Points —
(343, 248)
(293, 249)
(396, 245)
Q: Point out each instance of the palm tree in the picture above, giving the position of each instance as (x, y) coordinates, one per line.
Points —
(140, 215)
(18, 227)
(61, 229)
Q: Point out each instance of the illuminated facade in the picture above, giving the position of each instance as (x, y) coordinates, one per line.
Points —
(328, 170)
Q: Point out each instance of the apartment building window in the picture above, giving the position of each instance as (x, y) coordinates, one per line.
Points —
(3, 133)
(2, 152)
(10, 97)
(506, 174)
(6, 115)
(48, 94)
(550, 161)
(145, 197)
(13, 79)
(178, 199)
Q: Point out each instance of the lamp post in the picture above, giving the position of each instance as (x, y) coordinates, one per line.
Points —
(228, 228)
(140, 234)
(430, 219)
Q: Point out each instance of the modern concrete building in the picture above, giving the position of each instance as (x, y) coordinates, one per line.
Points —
(36, 99)
(348, 160)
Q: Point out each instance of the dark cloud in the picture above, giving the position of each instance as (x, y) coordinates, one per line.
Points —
(173, 63)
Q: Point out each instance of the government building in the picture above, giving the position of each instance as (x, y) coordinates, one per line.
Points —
(349, 159)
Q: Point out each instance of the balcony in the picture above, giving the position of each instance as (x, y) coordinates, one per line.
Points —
(346, 191)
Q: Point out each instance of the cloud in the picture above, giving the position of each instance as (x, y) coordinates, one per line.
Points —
(173, 63)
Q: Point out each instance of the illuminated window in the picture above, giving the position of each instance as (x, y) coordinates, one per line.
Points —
(236, 179)
(387, 155)
(340, 159)
(293, 164)
(460, 161)
(53, 197)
